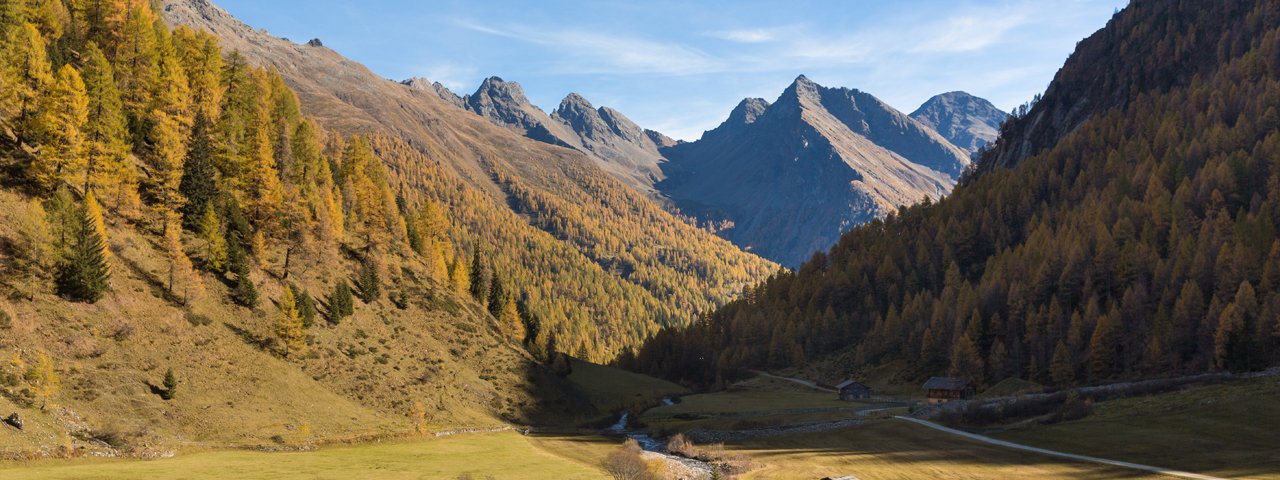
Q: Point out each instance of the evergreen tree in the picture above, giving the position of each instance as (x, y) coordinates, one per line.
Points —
(63, 217)
(306, 306)
(244, 292)
(199, 183)
(368, 283)
(497, 298)
(84, 273)
(170, 385)
(341, 302)
(481, 277)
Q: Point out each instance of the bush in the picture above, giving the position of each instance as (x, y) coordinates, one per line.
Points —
(626, 463)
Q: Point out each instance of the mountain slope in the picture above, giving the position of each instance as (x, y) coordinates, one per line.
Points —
(596, 260)
(1140, 240)
(604, 135)
(813, 164)
(966, 121)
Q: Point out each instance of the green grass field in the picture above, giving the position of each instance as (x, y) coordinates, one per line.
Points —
(506, 455)
(893, 449)
(755, 403)
(1228, 430)
(611, 389)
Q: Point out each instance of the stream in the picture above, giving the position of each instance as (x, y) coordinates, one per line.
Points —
(646, 441)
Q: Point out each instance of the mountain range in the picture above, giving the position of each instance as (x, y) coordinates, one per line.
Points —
(818, 162)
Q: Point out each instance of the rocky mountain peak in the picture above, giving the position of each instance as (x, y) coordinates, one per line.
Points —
(748, 111)
(967, 121)
(498, 89)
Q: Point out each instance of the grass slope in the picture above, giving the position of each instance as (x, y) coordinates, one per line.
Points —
(360, 379)
(506, 455)
(1228, 430)
(612, 389)
(891, 449)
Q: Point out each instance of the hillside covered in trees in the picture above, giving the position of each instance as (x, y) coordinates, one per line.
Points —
(1124, 225)
(596, 262)
(186, 258)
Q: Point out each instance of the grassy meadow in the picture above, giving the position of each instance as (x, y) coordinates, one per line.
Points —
(1230, 430)
(505, 455)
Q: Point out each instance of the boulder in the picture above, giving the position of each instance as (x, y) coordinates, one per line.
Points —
(14, 420)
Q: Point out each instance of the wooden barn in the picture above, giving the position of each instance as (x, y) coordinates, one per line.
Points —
(851, 390)
(946, 389)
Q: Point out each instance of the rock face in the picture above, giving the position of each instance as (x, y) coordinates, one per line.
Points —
(620, 146)
(606, 136)
(791, 176)
(966, 121)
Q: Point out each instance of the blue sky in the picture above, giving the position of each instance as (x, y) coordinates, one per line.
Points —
(679, 67)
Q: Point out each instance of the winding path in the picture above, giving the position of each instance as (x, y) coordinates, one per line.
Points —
(1071, 456)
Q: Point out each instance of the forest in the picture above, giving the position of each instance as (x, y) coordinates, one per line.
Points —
(112, 118)
(1123, 226)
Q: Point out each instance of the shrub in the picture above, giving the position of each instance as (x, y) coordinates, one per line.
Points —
(626, 463)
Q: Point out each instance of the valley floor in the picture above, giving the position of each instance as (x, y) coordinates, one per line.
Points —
(1227, 430)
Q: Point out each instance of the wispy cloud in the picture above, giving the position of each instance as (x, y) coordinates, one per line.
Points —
(591, 52)
(456, 77)
(755, 35)
(966, 33)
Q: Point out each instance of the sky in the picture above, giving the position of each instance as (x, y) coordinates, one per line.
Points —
(679, 67)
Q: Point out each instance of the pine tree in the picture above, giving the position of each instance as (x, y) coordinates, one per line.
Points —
(63, 217)
(289, 328)
(199, 183)
(64, 112)
(244, 292)
(480, 279)
(210, 230)
(341, 303)
(84, 273)
(368, 283)
(497, 298)
(106, 132)
(306, 306)
(170, 385)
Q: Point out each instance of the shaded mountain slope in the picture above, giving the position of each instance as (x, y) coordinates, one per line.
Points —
(791, 176)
